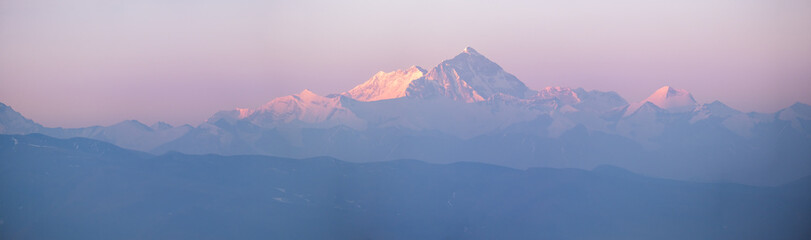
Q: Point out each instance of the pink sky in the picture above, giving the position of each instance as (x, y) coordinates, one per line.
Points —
(80, 63)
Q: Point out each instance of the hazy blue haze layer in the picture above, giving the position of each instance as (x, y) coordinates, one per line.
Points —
(86, 189)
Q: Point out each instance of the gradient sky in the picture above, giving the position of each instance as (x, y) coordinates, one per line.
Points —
(87, 62)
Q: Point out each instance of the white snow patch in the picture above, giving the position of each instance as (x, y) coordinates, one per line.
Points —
(386, 85)
(672, 99)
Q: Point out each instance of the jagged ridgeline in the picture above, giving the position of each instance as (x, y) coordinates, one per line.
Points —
(86, 189)
(469, 108)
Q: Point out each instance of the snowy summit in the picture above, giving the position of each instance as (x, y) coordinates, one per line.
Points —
(672, 99)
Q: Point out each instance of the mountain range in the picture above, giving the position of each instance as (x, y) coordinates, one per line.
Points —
(80, 188)
(468, 108)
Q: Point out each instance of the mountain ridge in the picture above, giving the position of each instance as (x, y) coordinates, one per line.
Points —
(485, 114)
(81, 188)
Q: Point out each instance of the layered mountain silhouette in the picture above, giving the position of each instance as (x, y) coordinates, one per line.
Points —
(469, 108)
(86, 189)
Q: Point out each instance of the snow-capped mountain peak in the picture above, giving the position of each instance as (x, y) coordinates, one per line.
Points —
(672, 99)
(307, 95)
(386, 85)
(667, 98)
(291, 102)
(305, 108)
(471, 51)
(564, 95)
(468, 77)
